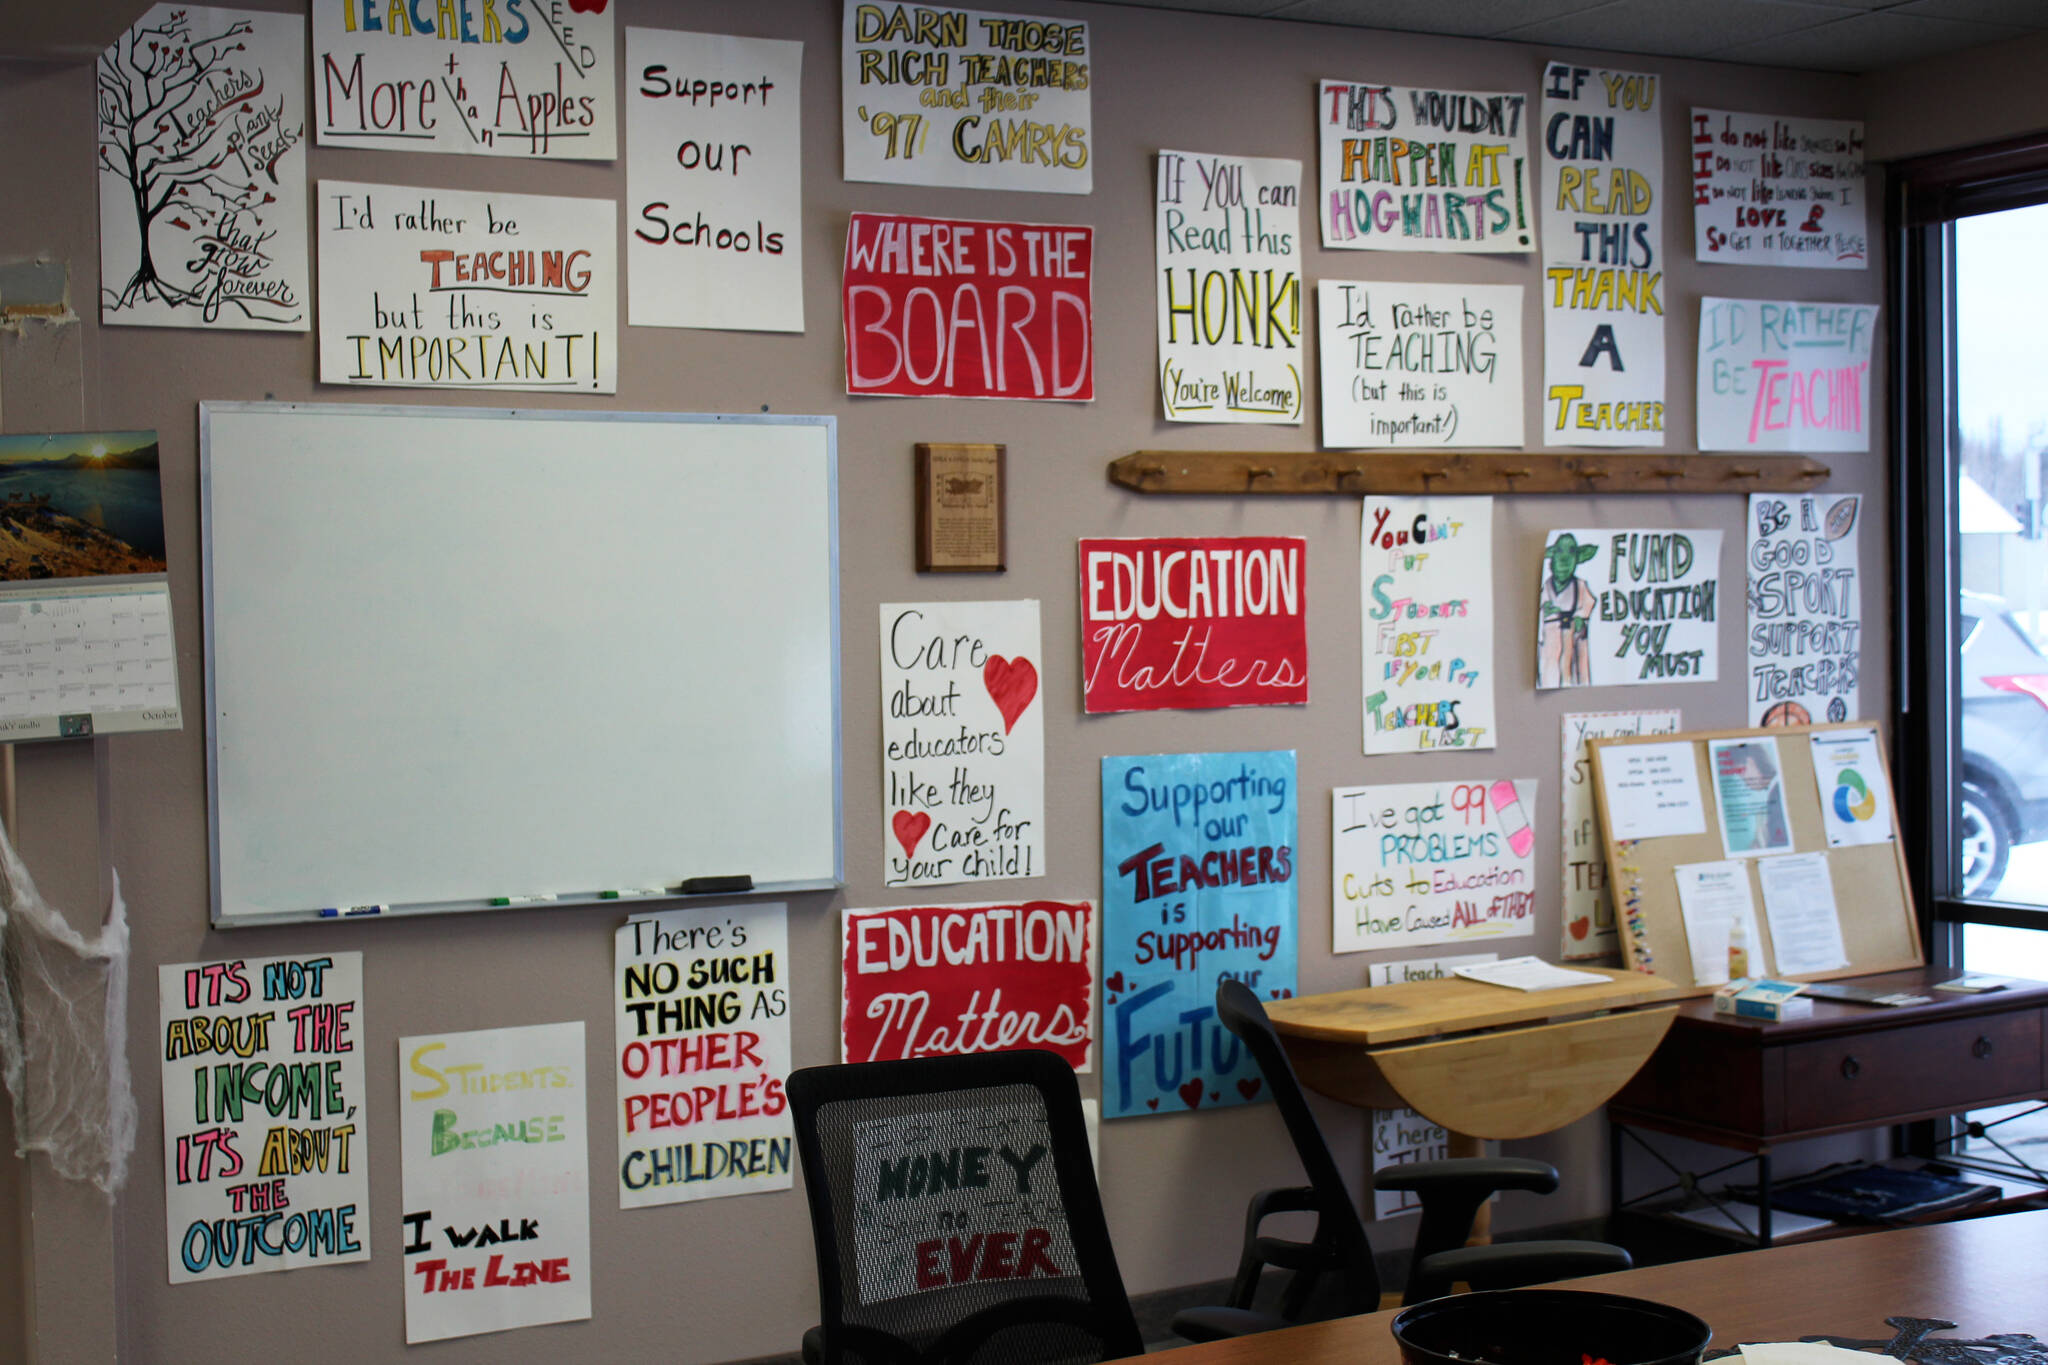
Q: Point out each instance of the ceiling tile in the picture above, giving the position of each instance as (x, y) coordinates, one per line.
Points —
(2030, 14)
(1241, 7)
(1866, 42)
(1673, 30)
(1462, 18)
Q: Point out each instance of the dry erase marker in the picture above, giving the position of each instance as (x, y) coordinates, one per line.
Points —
(631, 891)
(343, 911)
(519, 900)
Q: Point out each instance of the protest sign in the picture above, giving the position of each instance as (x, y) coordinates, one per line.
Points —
(1431, 862)
(461, 289)
(1805, 608)
(526, 78)
(1425, 568)
(494, 1148)
(1198, 883)
(714, 182)
(201, 154)
(1588, 905)
(1603, 258)
(702, 1048)
(1420, 364)
(963, 743)
(1176, 623)
(1619, 607)
(1229, 261)
(946, 307)
(266, 1148)
(949, 980)
(941, 96)
(1420, 169)
(1778, 191)
(1784, 376)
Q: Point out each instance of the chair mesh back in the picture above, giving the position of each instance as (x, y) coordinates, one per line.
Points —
(956, 1200)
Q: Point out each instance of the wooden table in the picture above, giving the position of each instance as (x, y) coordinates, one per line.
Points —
(1986, 1275)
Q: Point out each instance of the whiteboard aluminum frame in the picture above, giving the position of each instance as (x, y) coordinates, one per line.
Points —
(593, 896)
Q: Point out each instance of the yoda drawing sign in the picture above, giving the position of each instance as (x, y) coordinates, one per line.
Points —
(1624, 607)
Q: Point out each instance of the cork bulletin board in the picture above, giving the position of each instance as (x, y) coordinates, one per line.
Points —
(1873, 900)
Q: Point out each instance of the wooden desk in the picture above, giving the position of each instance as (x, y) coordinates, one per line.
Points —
(1483, 1061)
(1986, 1275)
(1752, 1086)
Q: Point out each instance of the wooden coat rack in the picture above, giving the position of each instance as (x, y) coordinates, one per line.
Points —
(1352, 473)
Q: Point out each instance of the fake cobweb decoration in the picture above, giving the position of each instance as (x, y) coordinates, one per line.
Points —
(63, 1031)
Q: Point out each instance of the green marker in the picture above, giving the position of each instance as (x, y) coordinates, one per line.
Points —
(519, 900)
(631, 891)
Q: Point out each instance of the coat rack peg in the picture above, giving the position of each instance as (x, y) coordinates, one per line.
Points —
(1270, 473)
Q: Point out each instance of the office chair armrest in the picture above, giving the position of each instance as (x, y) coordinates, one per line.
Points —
(1220, 1324)
(1294, 1199)
(1511, 1265)
(1470, 1175)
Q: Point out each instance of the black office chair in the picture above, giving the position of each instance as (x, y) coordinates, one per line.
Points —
(1333, 1272)
(955, 1214)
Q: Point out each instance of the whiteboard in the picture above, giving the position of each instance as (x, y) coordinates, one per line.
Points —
(456, 655)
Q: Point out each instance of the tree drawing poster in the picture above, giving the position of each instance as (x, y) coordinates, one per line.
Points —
(1805, 608)
(1409, 168)
(963, 743)
(1622, 607)
(1603, 258)
(1425, 568)
(1199, 882)
(202, 171)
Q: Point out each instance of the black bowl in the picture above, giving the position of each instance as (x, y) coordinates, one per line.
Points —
(1548, 1327)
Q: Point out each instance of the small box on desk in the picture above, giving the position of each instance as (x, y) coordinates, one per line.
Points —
(1772, 1001)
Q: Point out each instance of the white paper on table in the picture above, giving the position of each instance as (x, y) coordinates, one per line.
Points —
(1855, 798)
(1799, 1352)
(1653, 790)
(1528, 973)
(1710, 897)
(1799, 901)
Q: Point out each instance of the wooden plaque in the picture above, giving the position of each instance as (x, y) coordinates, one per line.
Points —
(960, 508)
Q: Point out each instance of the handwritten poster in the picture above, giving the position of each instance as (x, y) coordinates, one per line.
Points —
(953, 980)
(495, 1152)
(1180, 623)
(201, 155)
(529, 78)
(1404, 970)
(1778, 191)
(963, 743)
(1402, 1137)
(1805, 608)
(266, 1130)
(945, 307)
(1588, 905)
(1623, 607)
(956, 1196)
(1229, 261)
(1418, 169)
(714, 181)
(1603, 258)
(1198, 883)
(463, 289)
(1431, 862)
(1415, 364)
(1425, 567)
(702, 1038)
(1784, 376)
(942, 96)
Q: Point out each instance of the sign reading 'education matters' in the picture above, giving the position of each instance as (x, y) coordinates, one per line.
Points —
(1183, 623)
(942, 307)
(461, 289)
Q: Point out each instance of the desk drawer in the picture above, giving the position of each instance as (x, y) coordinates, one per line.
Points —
(1909, 1070)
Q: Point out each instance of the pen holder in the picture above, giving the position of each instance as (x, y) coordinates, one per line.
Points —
(1548, 1327)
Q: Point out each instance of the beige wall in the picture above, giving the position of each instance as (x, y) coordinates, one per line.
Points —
(1983, 94)
(733, 1278)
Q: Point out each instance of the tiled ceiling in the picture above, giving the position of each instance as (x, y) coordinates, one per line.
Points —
(1817, 35)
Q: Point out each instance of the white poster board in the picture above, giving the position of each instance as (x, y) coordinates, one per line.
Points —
(1805, 608)
(1228, 253)
(1431, 862)
(714, 181)
(1426, 584)
(461, 289)
(1589, 927)
(1615, 608)
(1785, 376)
(1418, 364)
(1769, 190)
(1417, 168)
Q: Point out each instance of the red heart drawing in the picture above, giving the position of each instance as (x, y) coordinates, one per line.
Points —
(588, 6)
(1579, 926)
(1114, 983)
(1250, 1086)
(1011, 684)
(910, 827)
(1152, 1103)
(1283, 994)
(1191, 1093)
